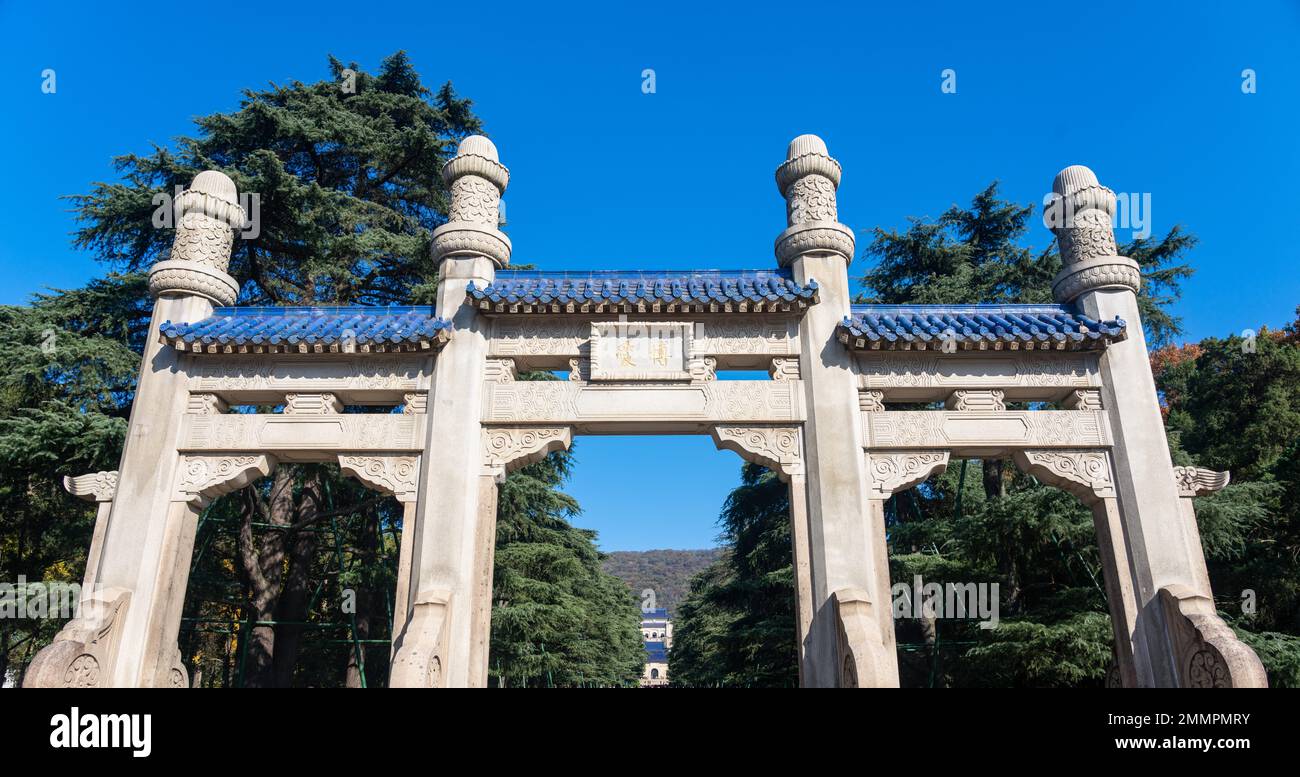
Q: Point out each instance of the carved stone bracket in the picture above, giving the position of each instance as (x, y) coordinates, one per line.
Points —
(95, 487)
(506, 449)
(784, 368)
(967, 400)
(420, 648)
(397, 476)
(890, 473)
(1086, 474)
(1083, 399)
(204, 478)
(82, 653)
(871, 401)
(206, 404)
(859, 640)
(779, 448)
(312, 404)
(1199, 481)
(1207, 652)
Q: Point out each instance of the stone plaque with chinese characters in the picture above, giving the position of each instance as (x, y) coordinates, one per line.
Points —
(623, 350)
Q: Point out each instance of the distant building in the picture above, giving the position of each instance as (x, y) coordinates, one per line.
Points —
(657, 633)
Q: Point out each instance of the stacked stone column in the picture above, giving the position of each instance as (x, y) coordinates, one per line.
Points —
(125, 633)
(1175, 636)
(446, 624)
(850, 634)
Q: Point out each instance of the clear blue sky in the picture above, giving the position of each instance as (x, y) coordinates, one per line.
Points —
(1147, 94)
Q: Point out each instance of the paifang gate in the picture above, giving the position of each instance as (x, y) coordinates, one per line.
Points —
(642, 351)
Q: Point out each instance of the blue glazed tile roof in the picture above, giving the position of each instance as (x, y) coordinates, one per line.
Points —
(310, 330)
(1013, 327)
(656, 652)
(635, 291)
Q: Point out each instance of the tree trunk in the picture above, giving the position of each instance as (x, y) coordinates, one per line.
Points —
(264, 567)
(994, 484)
(296, 596)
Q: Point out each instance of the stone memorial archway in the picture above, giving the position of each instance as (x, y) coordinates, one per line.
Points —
(642, 351)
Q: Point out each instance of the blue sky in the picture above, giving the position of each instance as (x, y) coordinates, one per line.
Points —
(603, 176)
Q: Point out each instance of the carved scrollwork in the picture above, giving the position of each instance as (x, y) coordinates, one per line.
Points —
(871, 401)
(203, 478)
(784, 368)
(82, 653)
(398, 476)
(505, 449)
(1199, 481)
(779, 448)
(1085, 474)
(95, 487)
(891, 473)
(1207, 651)
(419, 649)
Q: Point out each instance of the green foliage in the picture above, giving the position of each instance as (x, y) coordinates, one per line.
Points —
(737, 625)
(558, 618)
(979, 254)
(349, 187)
(666, 572)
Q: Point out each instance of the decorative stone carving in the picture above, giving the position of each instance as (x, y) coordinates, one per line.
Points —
(784, 368)
(640, 351)
(312, 404)
(499, 371)
(967, 400)
(1083, 399)
(808, 180)
(263, 378)
(568, 402)
(890, 473)
(1199, 481)
(95, 487)
(1080, 212)
(206, 404)
(203, 478)
(398, 476)
(1207, 652)
(420, 648)
(906, 374)
(973, 431)
(477, 180)
(779, 448)
(416, 403)
(308, 434)
(578, 371)
(859, 641)
(1086, 474)
(506, 449)
(207, 215)
(871, 401)
(82, 653)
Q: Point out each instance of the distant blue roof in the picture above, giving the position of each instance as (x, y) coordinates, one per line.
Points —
(655, 614)
(655, 652)
(634, 291)
(310, 330)
(1029, 327)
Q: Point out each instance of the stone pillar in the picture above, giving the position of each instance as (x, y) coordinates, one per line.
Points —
(97, 487)
(846, 545)
(1163, 555)
(125, 635)
(444, 639)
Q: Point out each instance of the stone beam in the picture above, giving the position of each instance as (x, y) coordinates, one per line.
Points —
(303, 437)
(573, 402)
(975, 433)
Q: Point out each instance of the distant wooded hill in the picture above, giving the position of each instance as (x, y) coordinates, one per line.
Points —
(667, 572)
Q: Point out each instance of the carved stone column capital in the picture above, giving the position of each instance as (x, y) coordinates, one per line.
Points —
(1085, 474)
(1079, 212)
(397, 476)
(808, 180)
(477, 180)
(890, 473)
(779, 448)
(507, 448)
(207, 216)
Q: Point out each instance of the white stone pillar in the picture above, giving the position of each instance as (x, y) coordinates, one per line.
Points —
(143, 566)
(846, 545)
(444, 639)
(1162, 552)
